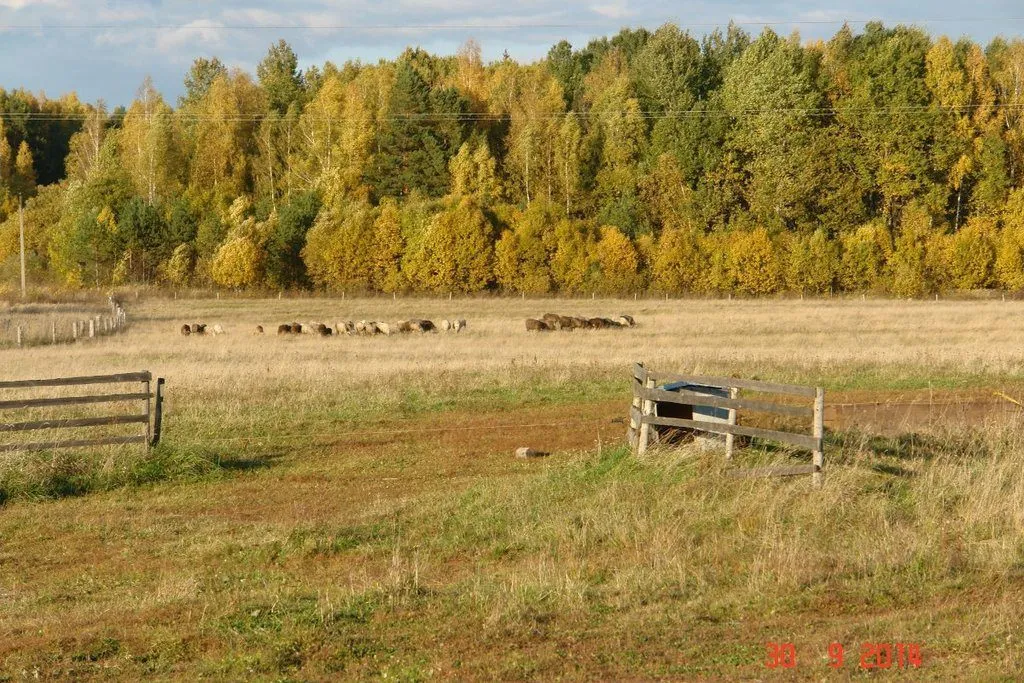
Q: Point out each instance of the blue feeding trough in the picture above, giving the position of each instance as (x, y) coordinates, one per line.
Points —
(694, 411)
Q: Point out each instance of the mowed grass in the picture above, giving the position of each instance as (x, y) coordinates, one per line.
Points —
(350, 507)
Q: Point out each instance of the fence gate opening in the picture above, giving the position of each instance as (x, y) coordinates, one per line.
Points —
(668, 408)
(128, 415)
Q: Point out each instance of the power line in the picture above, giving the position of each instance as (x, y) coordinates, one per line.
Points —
(213, 25)
(499, 116)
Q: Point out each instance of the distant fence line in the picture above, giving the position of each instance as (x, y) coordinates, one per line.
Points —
(83, 328)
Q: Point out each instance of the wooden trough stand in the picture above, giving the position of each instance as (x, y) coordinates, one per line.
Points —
(703, 397)
(149, 419)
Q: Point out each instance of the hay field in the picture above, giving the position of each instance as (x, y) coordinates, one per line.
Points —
(349, 507)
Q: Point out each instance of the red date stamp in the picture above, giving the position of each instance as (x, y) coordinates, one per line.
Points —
(871, 656)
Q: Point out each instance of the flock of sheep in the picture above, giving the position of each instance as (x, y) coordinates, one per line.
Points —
(553, 321)
(365, 327)
(200, 329)
(547, 322)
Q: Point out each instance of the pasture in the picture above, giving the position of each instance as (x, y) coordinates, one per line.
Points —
(349, 506)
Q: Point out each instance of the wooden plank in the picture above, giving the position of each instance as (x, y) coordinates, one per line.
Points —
(801, 440)
(634, 415)
(76, 381)
(789, 471)
(639, 373)
(726, 382)
(72, 422)
(78, 443)
(692, 398)
(71, 400)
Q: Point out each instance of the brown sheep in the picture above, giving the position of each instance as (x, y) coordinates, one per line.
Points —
(565, 322)
(403, 326)
(199, 328)
(322, 329)
(533, 325)
(284, 329)
(296, 328)
(595, 323)
(258, 330)
(186, 330)
(579, 323)
(551, 319)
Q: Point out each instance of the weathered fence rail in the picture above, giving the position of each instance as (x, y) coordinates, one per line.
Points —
(649, 394)
(149, 417)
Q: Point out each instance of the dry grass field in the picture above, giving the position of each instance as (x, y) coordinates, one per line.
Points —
(349, 507)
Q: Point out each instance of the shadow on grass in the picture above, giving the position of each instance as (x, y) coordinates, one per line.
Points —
(52, 475)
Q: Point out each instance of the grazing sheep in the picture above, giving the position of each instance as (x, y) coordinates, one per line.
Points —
(565, 322)
(344, 326)
(186, 330)
(596, 323)
(284, 329)
(428, 326)
(533, 325)
(296, 328)
(218, 329)
(259, 329)
(361, 327)
(459, 325)
(309, 328)
(372, 328)
(199, 328)
(322, 330)
(385, 328)
(445, 325)
(404, 326)
(551, 319)
(628, 320)
(579, 323)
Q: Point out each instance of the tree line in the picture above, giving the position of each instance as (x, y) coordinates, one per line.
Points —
(885, 160)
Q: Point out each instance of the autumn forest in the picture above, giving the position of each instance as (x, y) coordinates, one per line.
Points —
(881, 160)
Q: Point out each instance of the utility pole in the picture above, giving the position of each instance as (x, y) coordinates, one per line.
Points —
(21, 221)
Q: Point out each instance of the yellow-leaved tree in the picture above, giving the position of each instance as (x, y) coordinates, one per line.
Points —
(455, 253)
(616, 263)
(971, 254)
(813, 264)
(1010, 248)
(754, 262)
(570, 264)
(912, 265)
(338, 252)
(388, 247)
(677, 263)
(865, 251)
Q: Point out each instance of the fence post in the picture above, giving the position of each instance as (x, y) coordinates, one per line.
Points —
(19, 336)
(74, 330)
(149, 402)
(53, 331)
(158, 411)
(92, 328)
(730, 439)
(819, 434)
(633, 433)
(646, 409)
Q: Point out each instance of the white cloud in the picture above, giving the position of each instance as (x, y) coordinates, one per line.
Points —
(612, 11)
(202, 33)
(22, 4)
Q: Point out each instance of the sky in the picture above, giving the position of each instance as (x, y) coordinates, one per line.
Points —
(104, 49)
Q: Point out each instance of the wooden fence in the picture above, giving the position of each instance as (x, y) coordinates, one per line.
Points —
(646, 397)
(149, 420)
